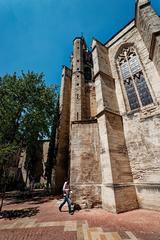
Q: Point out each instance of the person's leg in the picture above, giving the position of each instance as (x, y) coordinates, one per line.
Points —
(69, 204)
(64, 201)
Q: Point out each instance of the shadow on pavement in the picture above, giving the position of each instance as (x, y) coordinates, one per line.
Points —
(31, 197)
(20, 213)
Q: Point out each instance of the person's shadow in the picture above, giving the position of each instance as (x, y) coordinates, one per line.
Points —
(76, 207)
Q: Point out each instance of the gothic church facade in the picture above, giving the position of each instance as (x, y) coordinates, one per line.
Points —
(109, 131)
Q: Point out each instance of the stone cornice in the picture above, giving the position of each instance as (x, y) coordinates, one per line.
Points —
(85, 121)
(130, 184)
(98, 42)
(103, 74)
(105, 110)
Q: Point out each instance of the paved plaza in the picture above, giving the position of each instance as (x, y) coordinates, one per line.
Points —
(40, 219)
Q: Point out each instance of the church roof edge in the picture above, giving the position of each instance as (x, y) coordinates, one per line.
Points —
(133, 19)
(93, 38)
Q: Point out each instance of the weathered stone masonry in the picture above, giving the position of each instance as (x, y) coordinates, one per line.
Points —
(108, 145)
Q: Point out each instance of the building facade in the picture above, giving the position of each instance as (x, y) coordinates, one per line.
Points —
(109, 131)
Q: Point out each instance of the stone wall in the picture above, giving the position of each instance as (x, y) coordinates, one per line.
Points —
(90, 100)
(148, 24)
(156, 51)
(141, 129)
(144, 154)
(85, 169)
(39, 164)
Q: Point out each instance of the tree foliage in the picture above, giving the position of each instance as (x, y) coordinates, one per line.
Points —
(27, 109)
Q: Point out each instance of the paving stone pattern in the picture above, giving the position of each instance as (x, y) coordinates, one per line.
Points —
(81, 228)
(88, 224)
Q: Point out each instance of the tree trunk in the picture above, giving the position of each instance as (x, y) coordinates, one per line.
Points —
(3, 197)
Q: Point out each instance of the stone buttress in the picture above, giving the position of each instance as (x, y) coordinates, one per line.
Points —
(117, 191)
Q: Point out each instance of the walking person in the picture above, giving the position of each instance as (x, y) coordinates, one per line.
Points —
(66, 196)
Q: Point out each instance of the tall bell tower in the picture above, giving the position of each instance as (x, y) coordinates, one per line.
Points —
(77, 89)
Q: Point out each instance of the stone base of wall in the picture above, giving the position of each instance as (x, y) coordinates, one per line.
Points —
(148, 195)
(119, 198)
(87, 196)
(108, 199)
(114, 199)
(126, 199)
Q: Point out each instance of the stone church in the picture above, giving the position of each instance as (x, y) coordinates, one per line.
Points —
(108, 140)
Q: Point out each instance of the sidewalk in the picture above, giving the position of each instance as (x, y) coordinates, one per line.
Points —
(41, 220)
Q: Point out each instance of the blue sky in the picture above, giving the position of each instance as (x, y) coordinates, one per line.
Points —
(37, 34)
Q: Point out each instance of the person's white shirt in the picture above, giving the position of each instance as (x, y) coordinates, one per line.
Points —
(66, 188)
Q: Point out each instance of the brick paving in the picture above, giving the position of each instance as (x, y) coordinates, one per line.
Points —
(41, 220)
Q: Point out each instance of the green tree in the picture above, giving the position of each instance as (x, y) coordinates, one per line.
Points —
(27, 110)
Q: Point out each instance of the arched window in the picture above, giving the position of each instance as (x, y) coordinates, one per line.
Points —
(134, 83)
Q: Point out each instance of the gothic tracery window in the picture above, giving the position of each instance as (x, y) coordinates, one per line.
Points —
(134, 82)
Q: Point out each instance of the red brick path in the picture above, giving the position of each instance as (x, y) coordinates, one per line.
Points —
(97, 224)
